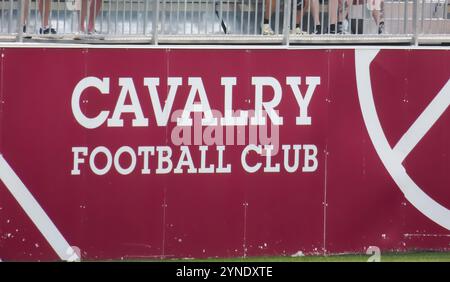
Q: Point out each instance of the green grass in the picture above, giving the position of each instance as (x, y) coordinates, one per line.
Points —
(386, 257)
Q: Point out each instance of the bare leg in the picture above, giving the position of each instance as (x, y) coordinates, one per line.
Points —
(269, 8)
(95, 8)
(376, 16)
(44, 9)
(83, 13)
(344, 9)
(316, 10)
(301, 12)
(333, 11)
(381, 23)
(26, 10)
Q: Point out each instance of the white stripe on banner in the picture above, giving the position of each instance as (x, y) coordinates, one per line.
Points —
(36, 213)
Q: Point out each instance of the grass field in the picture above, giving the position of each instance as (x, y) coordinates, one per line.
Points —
(387, 257)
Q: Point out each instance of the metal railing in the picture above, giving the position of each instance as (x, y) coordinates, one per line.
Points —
(226, 21)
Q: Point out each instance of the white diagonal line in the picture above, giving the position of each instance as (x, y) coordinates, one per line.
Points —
(423, 123)
(413, 193)
(35, 212)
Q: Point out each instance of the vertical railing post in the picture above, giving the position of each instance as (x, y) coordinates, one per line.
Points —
(286, 22)
(10, 18)
(21, 11)
(145, 17)
(445, 10)
(155, 10)
(277, 16)
(405, 17)
(415, 22)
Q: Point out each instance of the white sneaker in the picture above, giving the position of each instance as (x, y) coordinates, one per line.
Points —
(345, 27)
(299, 31)
(267, 30)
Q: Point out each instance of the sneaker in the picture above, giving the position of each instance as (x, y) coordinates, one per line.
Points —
(345, 27)
(332, 29)
(340, 28)
(267, 30)
(93, 32)
(381, 28)
(318, 29)
(299, 31)
(47, 30)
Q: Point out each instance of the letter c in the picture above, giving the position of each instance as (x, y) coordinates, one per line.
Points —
(82, 119)
(245, 152)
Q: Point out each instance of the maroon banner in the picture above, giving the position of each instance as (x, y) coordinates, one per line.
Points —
(175, 153)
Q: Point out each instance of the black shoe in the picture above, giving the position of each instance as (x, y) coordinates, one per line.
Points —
(47, 30)
(332, 29)
(339, 28)
(381, 28)
(318, 29)
(24, 28)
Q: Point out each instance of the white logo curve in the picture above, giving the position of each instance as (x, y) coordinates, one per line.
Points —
(392, 158)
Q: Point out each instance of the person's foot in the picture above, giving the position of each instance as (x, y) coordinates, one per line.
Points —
(332, 29)
(336, 28)
(381, 28)
(93, 32)
(299, 31)
(340, 28)
(24, 28)
(266, 29)
(47, 30)
(318, 29)
(345, 27)
(91, 29)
